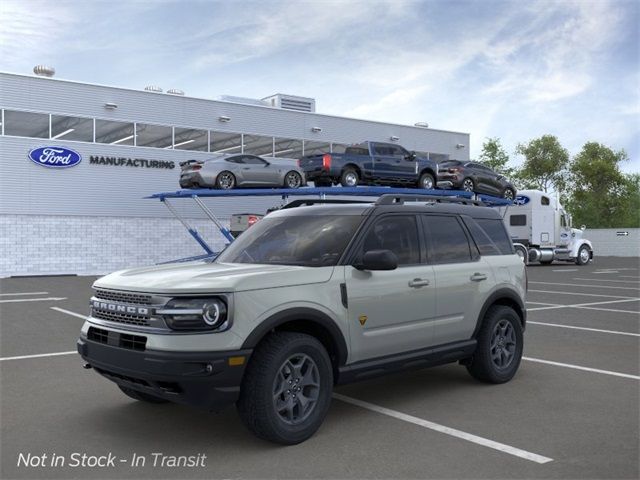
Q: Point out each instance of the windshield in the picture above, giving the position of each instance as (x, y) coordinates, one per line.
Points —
(311, 241)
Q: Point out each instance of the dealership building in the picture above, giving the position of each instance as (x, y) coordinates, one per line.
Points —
(91, 217)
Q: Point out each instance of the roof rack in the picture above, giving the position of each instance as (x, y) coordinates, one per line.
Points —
(390, 199)
(319, 201)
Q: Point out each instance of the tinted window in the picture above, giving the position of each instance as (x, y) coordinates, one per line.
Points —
(238, 159)
(495, 240)
(518, 220)
(72, 128)
(356, 151)
(448, 241)
(312, 241)
(158, 136)
(544, 201)
(114, 133)
(398, 234)
(26, 124)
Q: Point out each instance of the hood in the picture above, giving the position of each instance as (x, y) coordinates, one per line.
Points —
(204, 277)
(576, 233)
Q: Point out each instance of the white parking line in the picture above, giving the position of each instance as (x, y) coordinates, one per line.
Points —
(73, 314)
(583, 328)
(628, 276)
(23, 293)
(578, 367)
(588, 286)
(40, 355)
(610, 310)
(566, 270)
(583, 294)
(533, 457)
(605, 280)
(48, 299)
(588, 306)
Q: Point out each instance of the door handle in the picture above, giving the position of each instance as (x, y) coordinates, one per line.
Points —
(418, 282)
(478, 277)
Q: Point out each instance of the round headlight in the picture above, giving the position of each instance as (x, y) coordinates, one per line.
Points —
(211, 313)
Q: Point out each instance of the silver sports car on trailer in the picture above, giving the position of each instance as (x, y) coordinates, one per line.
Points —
(243, 170)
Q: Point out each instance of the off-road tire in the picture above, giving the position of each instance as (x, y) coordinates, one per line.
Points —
(344, 177)
(256, 403)
(481, 365)
(141, 396)
(424, 178)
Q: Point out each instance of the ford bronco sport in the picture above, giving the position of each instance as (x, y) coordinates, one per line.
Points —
(312, 297)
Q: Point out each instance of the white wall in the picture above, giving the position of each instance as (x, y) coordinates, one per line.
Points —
(607, 242)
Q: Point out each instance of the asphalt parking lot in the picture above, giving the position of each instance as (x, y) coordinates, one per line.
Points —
(572, 411)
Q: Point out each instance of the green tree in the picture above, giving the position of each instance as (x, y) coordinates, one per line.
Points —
(601, 196)
(495, 157)
(545, 164)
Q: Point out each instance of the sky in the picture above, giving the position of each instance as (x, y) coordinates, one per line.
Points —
(515, 70)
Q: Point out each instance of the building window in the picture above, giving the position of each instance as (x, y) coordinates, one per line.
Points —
(71, 128)
(258, 145)
(114, 133)
(227, 143)
(26, 124)
(287, 148)
(157, 136)
(190, 139)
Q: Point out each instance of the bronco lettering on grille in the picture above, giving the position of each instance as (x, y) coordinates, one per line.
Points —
(114, 307)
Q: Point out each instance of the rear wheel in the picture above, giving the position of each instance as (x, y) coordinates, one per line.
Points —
(584, 255)
(427, 181)
(499, 350)
(141, 396)
(349, 178)
(286, 390)
(468, 185)
(225, 180)
(292, 180)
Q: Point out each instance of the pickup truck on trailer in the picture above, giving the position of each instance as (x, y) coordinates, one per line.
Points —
(371, 163)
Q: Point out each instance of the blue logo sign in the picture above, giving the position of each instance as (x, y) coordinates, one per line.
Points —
(55, 157)
(521, 200)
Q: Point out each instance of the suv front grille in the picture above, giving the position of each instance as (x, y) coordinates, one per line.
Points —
(129, 319)
(124, 297)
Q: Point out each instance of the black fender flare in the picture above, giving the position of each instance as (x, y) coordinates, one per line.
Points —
(496, 297)
(301, 314)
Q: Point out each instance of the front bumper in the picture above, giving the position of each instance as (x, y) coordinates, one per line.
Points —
(200, 379)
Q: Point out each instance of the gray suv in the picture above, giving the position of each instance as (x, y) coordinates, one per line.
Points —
(312, 297)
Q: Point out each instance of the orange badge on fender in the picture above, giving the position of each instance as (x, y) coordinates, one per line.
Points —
(362, 319)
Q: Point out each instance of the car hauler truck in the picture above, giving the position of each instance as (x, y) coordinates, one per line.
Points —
(541, 230)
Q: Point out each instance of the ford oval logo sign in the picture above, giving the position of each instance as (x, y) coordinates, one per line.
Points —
(521, 200)
(55, 157)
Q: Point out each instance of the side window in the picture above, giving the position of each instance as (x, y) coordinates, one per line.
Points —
(398, 234)
(495, 235)
(545, 201)
(398, 152)
(518, 220)
(238, 159)
(251, 160)
(447, 239)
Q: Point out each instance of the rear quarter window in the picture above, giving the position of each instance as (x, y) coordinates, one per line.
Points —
(490, 236)
(447, 241)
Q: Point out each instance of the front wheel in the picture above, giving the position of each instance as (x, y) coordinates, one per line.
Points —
(500, 343)
(225, 180)
(508, 194)
(292, 180)
(427, 181)
(286, 390)
(584, 255)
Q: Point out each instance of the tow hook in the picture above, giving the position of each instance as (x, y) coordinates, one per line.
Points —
(86, 366)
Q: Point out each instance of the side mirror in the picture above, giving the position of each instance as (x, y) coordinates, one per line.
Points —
(378, 260)
(411, 157)
(583, 227)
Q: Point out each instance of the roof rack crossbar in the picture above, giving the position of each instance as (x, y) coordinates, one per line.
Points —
(319, 201)
(390, 199)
